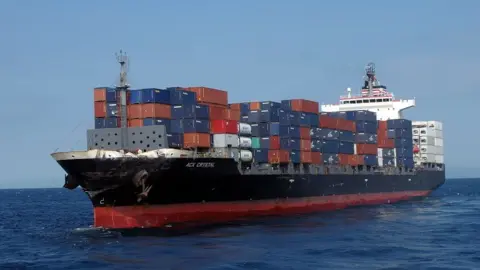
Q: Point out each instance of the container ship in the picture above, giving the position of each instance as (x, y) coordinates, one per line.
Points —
(161, 158)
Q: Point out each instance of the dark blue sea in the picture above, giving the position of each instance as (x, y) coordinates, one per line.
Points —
(51, 229)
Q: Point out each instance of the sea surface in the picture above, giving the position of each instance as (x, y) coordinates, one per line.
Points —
(51, 229)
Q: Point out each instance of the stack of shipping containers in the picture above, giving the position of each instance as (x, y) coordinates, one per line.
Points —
(270, 132)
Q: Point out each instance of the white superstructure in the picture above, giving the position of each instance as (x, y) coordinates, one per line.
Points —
(373, 97)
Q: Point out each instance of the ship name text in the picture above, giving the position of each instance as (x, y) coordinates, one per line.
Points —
(200, 165)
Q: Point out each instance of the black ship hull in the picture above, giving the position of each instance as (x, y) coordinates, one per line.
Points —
(135, 193)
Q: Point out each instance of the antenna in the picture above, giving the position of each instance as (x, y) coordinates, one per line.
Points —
(370, 77)
(123, 86)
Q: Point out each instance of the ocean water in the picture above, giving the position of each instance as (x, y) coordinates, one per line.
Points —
(50, 229)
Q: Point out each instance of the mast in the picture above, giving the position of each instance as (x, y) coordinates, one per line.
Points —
(123, 86)
(370, 78)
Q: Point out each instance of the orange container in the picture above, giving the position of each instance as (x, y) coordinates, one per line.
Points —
(305, 133)
(135, 123)
(346, 125)
(306, 157)
(382, 125)
(100, 94)
(217, 112)
(199, 140)
(367, 149)
(232, 114)
(100, 109)
(325, 121)
(278, 156)
(305, 145)
(210, 95)
(151, 110)
(254, 106)
(386, 143)
(303, 105)
(316, 157)
(343, 159)
(360, 160)
(235, 106)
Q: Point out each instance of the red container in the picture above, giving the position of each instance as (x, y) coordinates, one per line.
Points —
(344, 159)
(100, 109)
(274, 142)
(316, 158)
(366, 149)
(306, 157)
(254, 106)
(232, 114)
(278, 156)
(196, 140)
(346, 125)
(100, 94)
(382, 125)
(235, 106)
(382, 134)
(327, 122)
(217, 112)
(359, 159)
(224, 127)
(210, 95)
(303, 105)
(135, 123)
(305, 145)
(152, 110)
(305, 133)
(386, 143)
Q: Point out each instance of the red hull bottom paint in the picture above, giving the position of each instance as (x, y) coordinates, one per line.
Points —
(153, 216)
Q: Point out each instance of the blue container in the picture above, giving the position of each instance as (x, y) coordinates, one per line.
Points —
(275, 129)
(265, 143)
(342, 115)
(346, 148)
(286, 105)
(182, 97)
(388, 161)
(295, 156)
(386, 153)
(361, 116)
(316, 145)
(399, 123)
(175, 140)
(330, 147)
(366, 126)
(346, 136)
(288, 118)
(198, 111)
(99, 123)
(135, 97)
(406, 162)
(350, 115)
(176, 126)
(154, 95)
(112, 110)
(264, 129)
(157, 122)
(202, 111)
(304, 120)
(196, 125)
(111, 95)
(330, 114)
(330, 159)
(290, 144)
(270, 115)
(244, 119)
(260, 155)
(254, 117)
(255, 130)
(404, 152)
(370, 160)
(244, 108)
(407, 143)
(269, 105)
(324, 133)
(313, 119)
(366, 138)
(289, 132)
(112, 122)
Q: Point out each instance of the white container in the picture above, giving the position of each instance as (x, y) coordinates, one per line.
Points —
(380, 161)
(427, 140)
(428, 149)
(439, 159)
(245, 142)
(416, 139)
(438, 142)
(355, 149)
(379, 153)
(428, 132)
(416, 131)
(439, 150)
(246, 155)
(435, 125)
(244, 129)
(439, 134)
(416, 124)
(225, 140)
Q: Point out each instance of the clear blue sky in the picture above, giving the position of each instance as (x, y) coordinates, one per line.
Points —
(54, 52)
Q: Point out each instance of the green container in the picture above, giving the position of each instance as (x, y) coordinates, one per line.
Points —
(255, 142)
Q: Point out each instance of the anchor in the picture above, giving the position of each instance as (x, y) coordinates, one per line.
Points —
(70, 182)
(139, 181)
